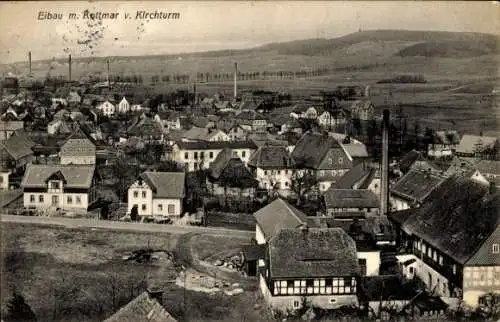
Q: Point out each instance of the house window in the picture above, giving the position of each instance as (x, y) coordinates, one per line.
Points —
(495, 249)
(55, 185)
(78, 200)
(243, 154)
(440, 260)
(435, 256)
(143, 207)
(454, 269)
(286, 171)
(171, 209)
(160, 207)
(186, 155)
(32, 198)
(265, 172)
(186, 166)
(296, 303)
(424, 249)
(136, 194)
(362, 265)
(330, 161)
(70, 200)
(144, 194)
(40, 198)
(341, 160)
(211, 154)
(202, 155)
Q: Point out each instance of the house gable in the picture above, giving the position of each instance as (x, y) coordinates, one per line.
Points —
(335, 159)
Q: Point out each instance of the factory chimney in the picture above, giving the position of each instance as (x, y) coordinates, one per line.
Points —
(107, 76)
(29, 62)
(69, 68)
(235, 80)
(384, 189)
(195, 94)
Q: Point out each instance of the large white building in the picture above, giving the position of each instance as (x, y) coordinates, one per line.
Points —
(66, 187)
(199, 155)
(157, 194)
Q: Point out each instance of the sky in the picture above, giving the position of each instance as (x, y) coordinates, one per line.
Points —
(205, 26)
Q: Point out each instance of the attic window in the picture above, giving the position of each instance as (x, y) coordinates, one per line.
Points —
(495, 249)
(341, 160)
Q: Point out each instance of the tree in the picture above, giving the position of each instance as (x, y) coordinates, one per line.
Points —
(356, 124)
(302, 183)
(19, 310)
(105, 211)
(126, 174)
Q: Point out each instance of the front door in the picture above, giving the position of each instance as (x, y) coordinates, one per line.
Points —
(55, 201)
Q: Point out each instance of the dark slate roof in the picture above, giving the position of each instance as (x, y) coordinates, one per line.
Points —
(271, 157)
(250, 115)
(484, 255)
(18, 145)
(278, 215)
(312, 252)
(457, 218)
(77, 176)
(417, 185)
(350, 198)
(413, 156)
(358, 174)
(142, 308)
(253, 252)
(165, 184)
(312, 148)
(146, 127)
(401, 216)
(208, 145)
(220, 162)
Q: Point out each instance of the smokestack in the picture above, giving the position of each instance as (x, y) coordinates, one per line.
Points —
(384, 191)
(235, 80)
(29, 62)
(69, 68)
(195, 94)
(107, 76)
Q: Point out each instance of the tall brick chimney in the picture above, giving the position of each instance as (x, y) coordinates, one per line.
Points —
(384, 185)
(69, 68)
(29, 62)
(235, 80)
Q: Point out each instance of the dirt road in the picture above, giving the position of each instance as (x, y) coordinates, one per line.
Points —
(126, 226)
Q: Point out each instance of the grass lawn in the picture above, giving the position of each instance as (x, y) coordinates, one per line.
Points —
(79, 275)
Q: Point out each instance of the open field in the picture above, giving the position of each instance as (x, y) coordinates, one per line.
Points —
(79, 275)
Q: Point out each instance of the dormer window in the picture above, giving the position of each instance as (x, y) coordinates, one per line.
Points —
(495, 249)
(55, 185)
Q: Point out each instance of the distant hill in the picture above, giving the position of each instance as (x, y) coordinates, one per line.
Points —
(461, 41)
(452, 49)
(377, 51)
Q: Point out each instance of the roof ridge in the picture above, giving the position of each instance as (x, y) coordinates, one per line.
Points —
(293, 213)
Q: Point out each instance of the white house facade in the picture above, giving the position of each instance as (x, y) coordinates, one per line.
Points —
(157, 194)
(66, 187)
